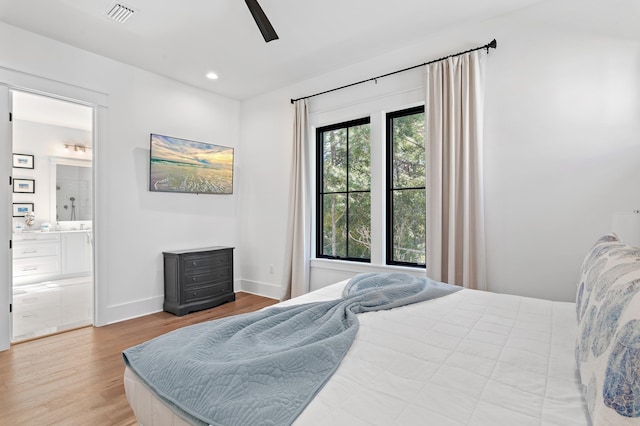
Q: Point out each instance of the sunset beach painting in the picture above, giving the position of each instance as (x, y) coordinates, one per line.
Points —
(180, 165)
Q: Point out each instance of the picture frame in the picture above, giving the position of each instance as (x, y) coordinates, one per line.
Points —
(24, 186)
(183, 165)
(23, 161)
(22, 209)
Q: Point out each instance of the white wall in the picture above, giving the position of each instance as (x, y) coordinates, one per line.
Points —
(561, 149)
(560, 156)
(134, 225)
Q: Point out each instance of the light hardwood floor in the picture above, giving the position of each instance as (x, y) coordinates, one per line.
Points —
(75, 378)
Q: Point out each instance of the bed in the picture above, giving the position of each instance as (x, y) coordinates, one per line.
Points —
(480, 358)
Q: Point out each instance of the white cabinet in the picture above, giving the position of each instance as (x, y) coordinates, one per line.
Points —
(46, 256)
(36, 310)
(50, 307)
(77, 302)
(36, 257)
(52, 282)
(76, 253)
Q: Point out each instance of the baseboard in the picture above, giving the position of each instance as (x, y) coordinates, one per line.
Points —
(271, 291)
(130, 310)
(126, 311)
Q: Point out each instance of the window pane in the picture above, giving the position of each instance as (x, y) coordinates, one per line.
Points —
(360, 225)
(409, 223)
(334, 238)
(359, 158)
(343, 192)
(408, 151)
(335, 160)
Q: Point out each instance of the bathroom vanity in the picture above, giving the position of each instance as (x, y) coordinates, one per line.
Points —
(52, 282)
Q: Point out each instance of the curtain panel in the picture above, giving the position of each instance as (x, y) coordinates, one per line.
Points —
(298, 247)
(454, 113)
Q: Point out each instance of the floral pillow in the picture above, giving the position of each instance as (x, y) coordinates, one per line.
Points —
(608, 343)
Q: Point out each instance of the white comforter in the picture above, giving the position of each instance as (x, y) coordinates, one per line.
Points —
(469, 358)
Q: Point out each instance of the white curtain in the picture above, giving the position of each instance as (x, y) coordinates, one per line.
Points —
(299, 234)
(455, 201)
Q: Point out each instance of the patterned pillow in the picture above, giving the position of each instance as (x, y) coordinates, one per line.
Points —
(608, 343)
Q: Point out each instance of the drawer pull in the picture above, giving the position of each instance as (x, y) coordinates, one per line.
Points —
(32, 268)
(29, 251)
(193, 279)
(30, 299)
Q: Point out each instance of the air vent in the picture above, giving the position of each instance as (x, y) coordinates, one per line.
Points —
(120, 13)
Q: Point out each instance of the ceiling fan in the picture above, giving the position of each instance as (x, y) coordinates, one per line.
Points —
(262, 21)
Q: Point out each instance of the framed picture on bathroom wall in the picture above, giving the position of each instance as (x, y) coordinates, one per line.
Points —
(25, 186)
(22, 209)
(22, 161)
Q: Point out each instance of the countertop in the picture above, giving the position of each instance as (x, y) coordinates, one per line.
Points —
(62, 231)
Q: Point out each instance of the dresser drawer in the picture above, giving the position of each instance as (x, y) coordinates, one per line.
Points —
(36, 265)
(210, 277)
(35, 297)
(207, 292)
(36, 236)
(36, 309)
(197, 262)
(24, 251)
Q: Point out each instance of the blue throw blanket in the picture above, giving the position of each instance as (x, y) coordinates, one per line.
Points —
(263, 368)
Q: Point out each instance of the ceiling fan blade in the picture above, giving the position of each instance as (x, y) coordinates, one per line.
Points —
(261, 19)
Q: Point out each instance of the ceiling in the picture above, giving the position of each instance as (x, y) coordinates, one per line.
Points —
(46, 110)
(184, 40)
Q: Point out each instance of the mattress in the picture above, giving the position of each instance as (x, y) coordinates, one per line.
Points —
(469, 358)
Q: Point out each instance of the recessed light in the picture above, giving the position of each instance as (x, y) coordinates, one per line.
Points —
(212, 76)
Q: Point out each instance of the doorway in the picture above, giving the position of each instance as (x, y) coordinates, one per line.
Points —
(53, 215)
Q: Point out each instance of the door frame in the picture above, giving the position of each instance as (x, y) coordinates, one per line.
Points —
(6, 293)
(11, 79)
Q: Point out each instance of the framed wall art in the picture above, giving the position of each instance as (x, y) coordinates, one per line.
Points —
(22, 209)
(22, 161)
(181, 165)
(24, 186)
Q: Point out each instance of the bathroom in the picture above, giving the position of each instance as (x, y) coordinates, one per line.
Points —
(52, 243)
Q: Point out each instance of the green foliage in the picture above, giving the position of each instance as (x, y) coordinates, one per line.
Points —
(359, 225)
(408, 191)
(408, 152)
(335, 160)
(346, 215)
(346, 198)
(409, 224)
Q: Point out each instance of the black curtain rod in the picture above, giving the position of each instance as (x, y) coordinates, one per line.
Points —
(492, 44)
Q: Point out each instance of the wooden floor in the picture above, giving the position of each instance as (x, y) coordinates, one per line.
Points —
(75, 378)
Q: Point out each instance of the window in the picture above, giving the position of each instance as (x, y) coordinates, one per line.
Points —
(406, 194)
(344, 191)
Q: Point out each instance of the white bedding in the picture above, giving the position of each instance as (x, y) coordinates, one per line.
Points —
(469, 358)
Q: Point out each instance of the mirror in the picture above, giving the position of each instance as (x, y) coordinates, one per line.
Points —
(73, 190)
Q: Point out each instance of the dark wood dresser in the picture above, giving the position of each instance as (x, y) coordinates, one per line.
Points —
(197, 279)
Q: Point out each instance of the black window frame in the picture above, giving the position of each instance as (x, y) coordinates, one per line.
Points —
(320, 186)
(390, 189)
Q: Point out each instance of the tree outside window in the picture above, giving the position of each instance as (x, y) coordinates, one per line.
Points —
(344, 191)
(406, 193)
